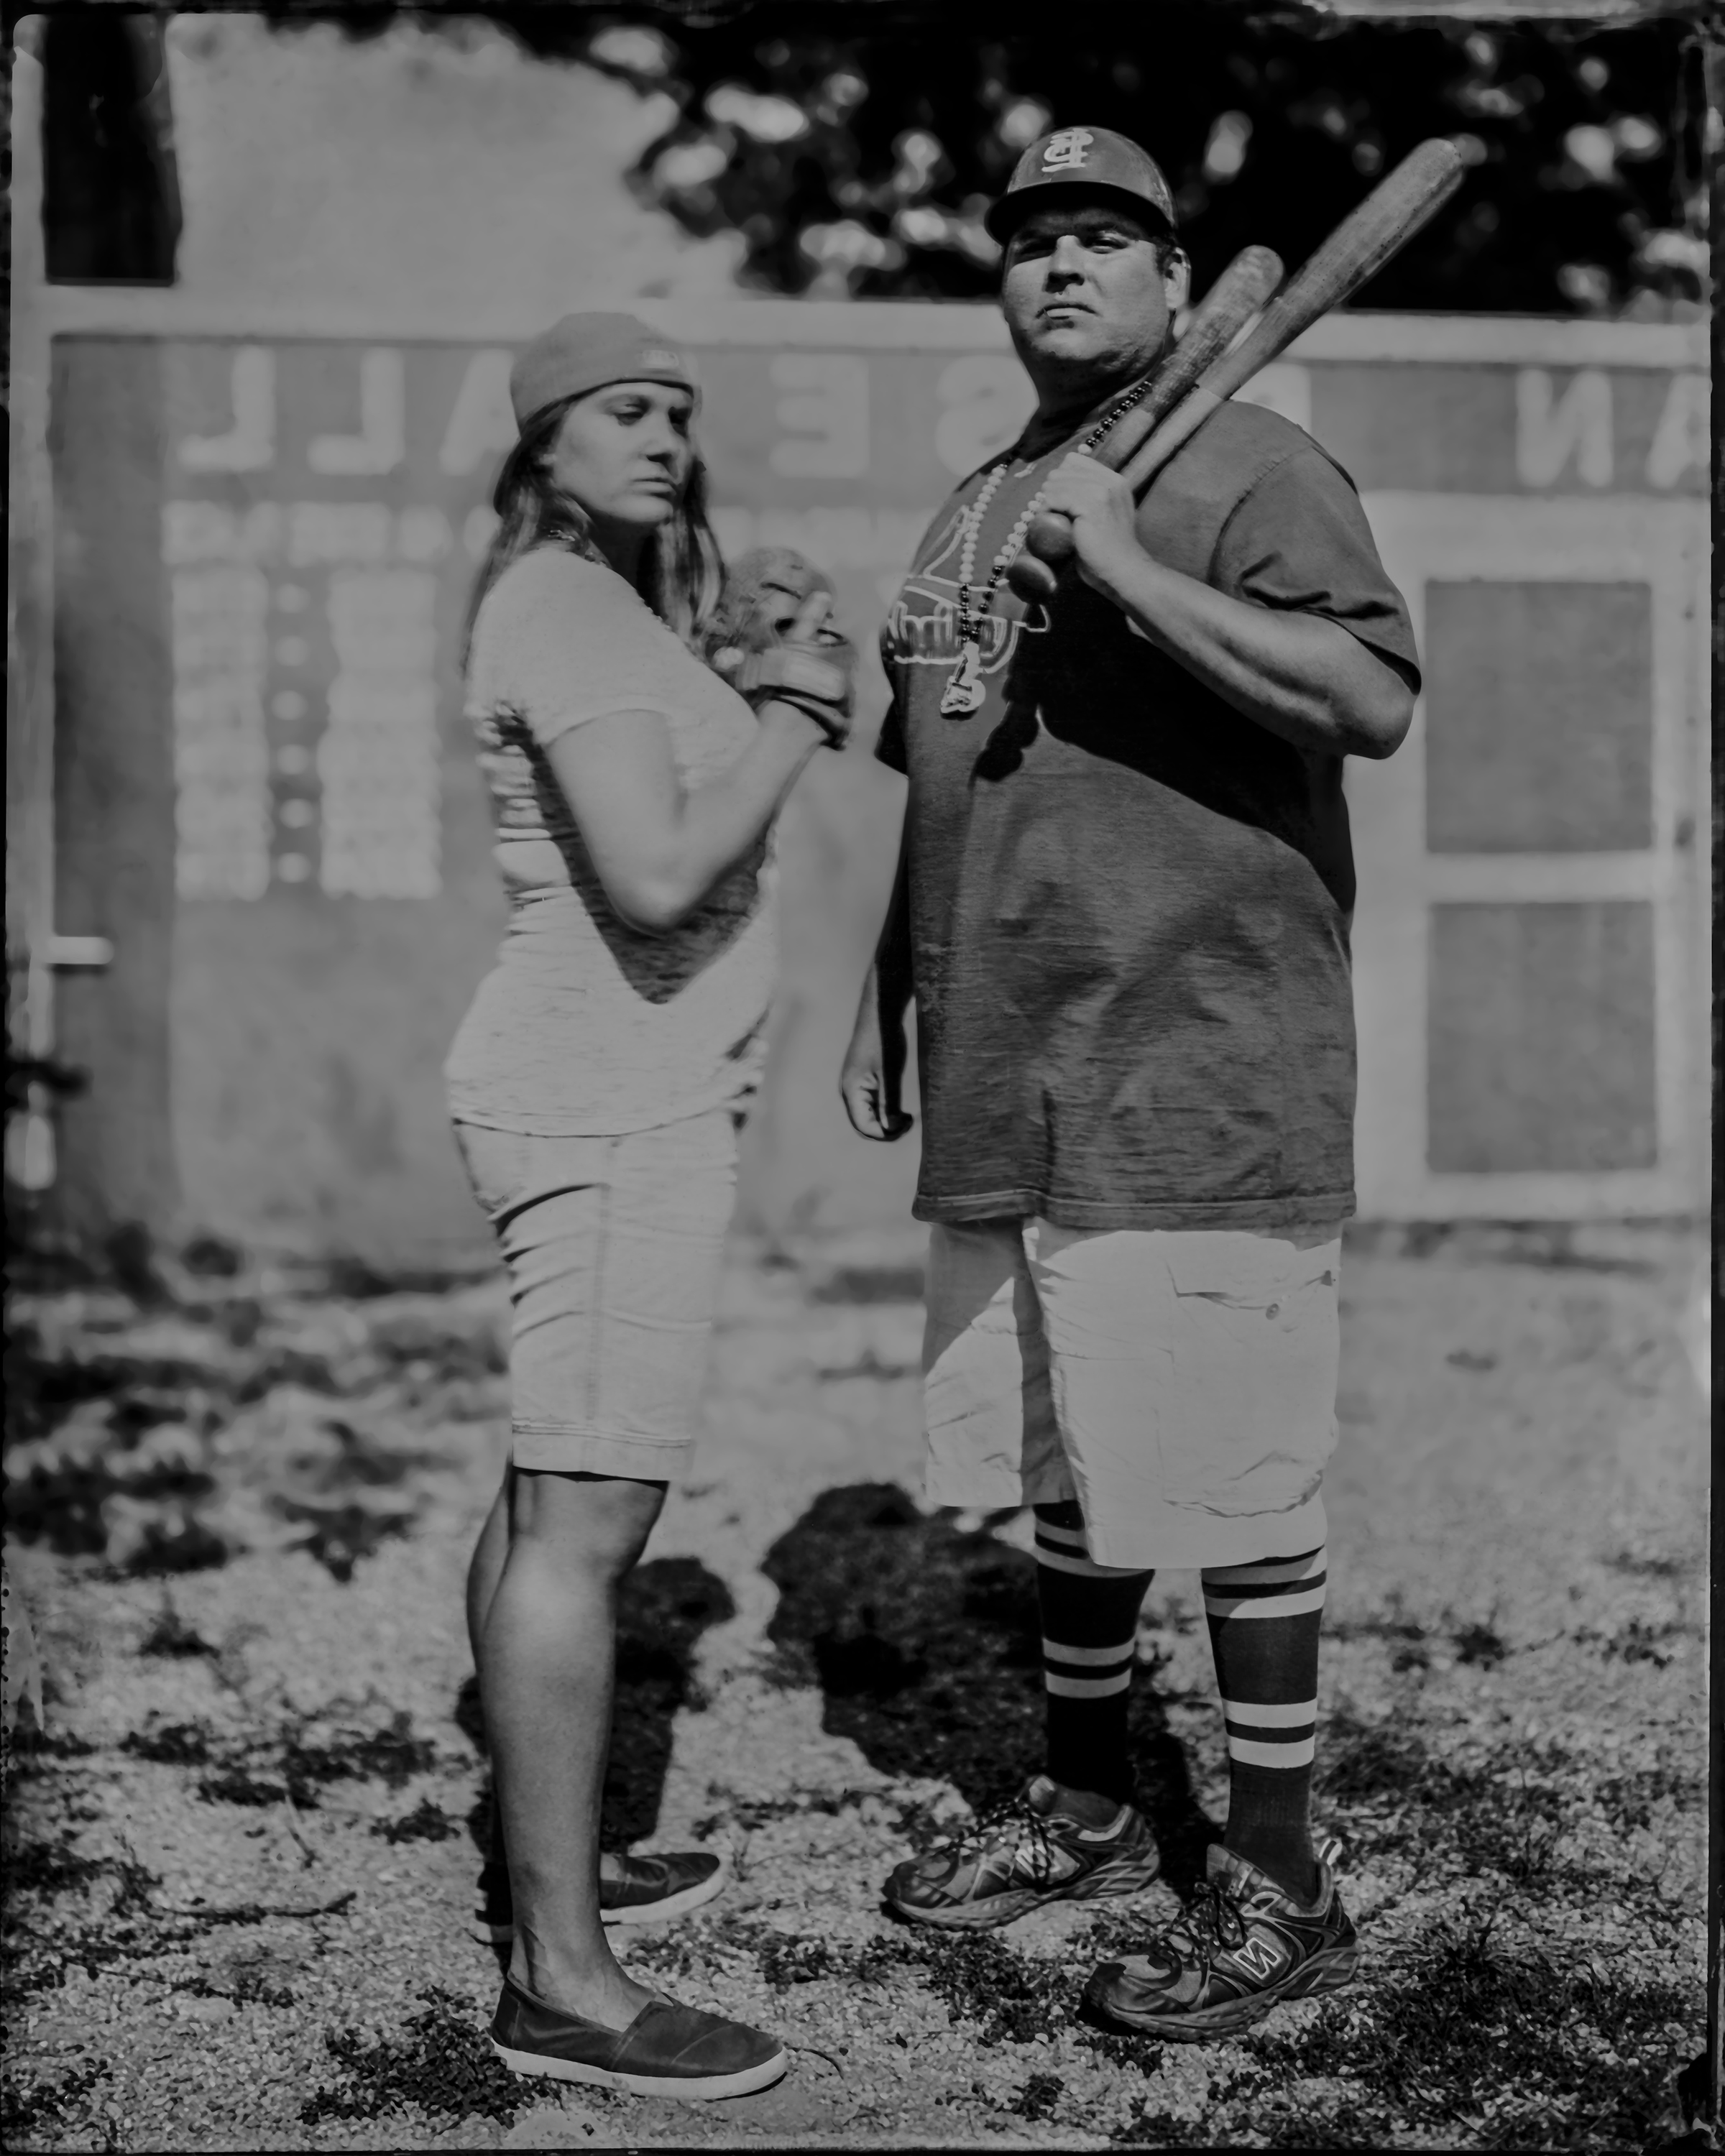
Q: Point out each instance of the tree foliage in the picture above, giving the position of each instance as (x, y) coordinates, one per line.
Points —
(853, 146)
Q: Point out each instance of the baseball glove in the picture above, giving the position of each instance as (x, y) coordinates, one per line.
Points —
(756, 641)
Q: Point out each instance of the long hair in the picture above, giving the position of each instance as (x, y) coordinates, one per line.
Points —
(682, 572)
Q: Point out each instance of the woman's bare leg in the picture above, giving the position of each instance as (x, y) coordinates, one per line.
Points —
(547, 1661)
(485, 1566)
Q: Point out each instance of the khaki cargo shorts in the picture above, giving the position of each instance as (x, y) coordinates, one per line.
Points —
(1180, 1385)
(614, 1247)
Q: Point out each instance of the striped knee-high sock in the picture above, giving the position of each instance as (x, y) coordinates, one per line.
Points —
(1264, 1623)
(1090, 1622)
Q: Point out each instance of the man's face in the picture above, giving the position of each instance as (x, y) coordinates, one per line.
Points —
(1086, 290)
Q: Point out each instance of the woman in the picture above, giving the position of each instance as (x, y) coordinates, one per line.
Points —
(597, 1086)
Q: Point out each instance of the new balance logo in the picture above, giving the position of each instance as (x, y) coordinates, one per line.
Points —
(1259, 1957)
(1064, 152)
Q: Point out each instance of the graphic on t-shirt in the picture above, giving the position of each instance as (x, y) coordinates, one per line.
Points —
(922, 627)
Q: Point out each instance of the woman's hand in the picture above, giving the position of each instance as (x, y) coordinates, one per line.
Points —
(810, 667)
(772, 640)
(1104, 519)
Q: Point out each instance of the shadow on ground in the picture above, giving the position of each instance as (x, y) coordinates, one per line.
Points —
(664, 1607)
(925, 1643)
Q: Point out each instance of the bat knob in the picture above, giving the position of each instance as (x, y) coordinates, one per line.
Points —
(1033, 581)
(1050, 538)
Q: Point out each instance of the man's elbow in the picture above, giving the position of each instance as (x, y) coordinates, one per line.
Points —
(1381, 716)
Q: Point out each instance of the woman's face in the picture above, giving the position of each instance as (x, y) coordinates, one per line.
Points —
(624, 453)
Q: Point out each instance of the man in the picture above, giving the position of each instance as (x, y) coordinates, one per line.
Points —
(1122, 907)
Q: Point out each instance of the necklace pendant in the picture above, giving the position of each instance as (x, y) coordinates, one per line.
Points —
(963, 694)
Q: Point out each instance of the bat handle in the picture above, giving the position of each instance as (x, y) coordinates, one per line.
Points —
(1032, 575)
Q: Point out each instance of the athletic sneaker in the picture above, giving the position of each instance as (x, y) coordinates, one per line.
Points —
(667, 2050)
(1243, 1947)
(1015, 1858)
(651, 1888)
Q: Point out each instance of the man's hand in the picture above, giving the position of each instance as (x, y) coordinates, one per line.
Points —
(873, 1073)
(1302, 676)
(1104, 520)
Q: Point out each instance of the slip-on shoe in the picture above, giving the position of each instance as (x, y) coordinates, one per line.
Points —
(667, 2050)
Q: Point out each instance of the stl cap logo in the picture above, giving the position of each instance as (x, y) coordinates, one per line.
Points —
(1064, 152)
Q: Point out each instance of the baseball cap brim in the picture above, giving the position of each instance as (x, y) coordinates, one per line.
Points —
(586, 352)
(1003, 218)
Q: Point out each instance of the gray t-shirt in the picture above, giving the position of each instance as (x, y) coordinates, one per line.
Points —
(1129, 904)
(587, 1027)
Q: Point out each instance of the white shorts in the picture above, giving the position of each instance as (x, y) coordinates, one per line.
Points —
(1181, 1386)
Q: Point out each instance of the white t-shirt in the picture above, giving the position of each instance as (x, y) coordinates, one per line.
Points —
(585, 1026)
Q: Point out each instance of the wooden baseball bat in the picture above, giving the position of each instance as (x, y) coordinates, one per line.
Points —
(1237, 295)
(1355, 251)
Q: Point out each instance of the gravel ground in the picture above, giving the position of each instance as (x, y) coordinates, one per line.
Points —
(241, 1855)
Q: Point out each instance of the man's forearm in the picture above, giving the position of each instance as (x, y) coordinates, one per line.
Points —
(891, 984)
(1301, 677)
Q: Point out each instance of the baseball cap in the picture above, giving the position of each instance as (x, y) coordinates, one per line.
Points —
(586, 352)
(1086, 157)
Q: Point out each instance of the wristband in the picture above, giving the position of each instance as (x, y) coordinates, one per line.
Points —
(833, 723)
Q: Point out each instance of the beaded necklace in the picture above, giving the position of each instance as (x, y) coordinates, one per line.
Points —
(964, 691)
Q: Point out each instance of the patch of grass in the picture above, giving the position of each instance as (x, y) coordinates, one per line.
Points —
(340, 1535)
(1039, 2095)
(239, 1786)
(49, 1927)
(441, 2062)
(1156, 2128)
(1628, 1801)
(786, 1959)
(251, 1987)
(750, 1813)
(1637, 1641)
(1502, 1816)
(1406, 1636)
(1479, 1644)
(173, 1639)
(392, 1756)
(46, 1868)
(47, 2105)
(1010, 1998)
(173, 1744)
(267, 1771)
(1464, 2038)
(1361, 1762)
(33, 1746)
(426, 1822)
(1652, 1568)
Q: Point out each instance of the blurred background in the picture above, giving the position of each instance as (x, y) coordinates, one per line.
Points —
(268, 268)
